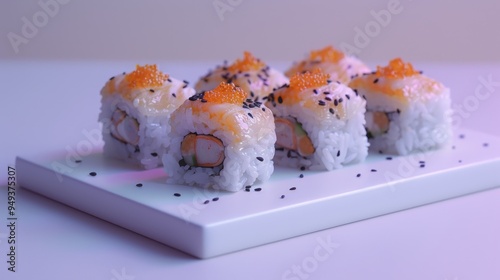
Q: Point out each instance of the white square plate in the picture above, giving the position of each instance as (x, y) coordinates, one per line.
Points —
(207, 223)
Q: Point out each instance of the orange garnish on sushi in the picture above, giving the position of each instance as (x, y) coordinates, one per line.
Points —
(397, 68)
(225, 93)
(248, 63)
(314, 79)
(145, 76)
(327, 54)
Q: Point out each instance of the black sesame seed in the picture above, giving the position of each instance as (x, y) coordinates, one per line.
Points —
(388, 158)
(154, 154)
(186, 82)
(398, 111)
(215, 199)
(169, 80)
(375, 81)
(422, 165)
(331, 111)
(280, 99)
(364, 97)
(124, 73)
(461, 136)
(321, 103)
(338, 153)
(358, 175)
(315, 91)
(250, 115)
(152, 90)
(248, 187)
(177, 194)
(247, 190)
(184, 86)
(173, 94)
(326, 92)
(263, 109)
(355, 91)
(421, 162)
(340, 100)
(373, 170)
(78, 161)
(138, 185)
(92, 173)
(111, 78)
(347, 96)
(327, 98)
(301, 176)
(206, 202)
(485, 145)
(460, 161)
(258, 189)
(293, 188)
(335, 102)
(302, 168)
(282, 196)
(260, 158)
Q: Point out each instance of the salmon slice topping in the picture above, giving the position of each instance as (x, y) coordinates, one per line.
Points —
(327, 54)
(225, 93)
(124, 128)
(145, 76)
(397, 68)
(307, 80)
(291, 135)
(248, 63)
(200, 150)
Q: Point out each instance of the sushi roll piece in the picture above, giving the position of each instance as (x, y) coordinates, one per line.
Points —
(319, 123)
(249, 73)
(406, 111)
(221, 139)
(338, 65)
(135, 112)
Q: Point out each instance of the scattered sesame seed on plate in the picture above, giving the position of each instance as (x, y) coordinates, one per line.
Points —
(92, 173)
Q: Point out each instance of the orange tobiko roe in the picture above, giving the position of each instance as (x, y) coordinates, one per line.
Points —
(302, 81)
(397, 68)
(145, 76)
(248, 63)
(225, 93)
(327, 54)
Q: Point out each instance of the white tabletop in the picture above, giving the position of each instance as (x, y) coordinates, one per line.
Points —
(54, 106)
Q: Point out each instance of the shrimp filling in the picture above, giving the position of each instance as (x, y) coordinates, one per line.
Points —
(377, 123)
(200, 150)
(290, 135)
(124, 127)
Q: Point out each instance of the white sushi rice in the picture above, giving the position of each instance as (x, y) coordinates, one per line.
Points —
(337, 141)
(240, 167)
(154, 126)
(421, 126)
